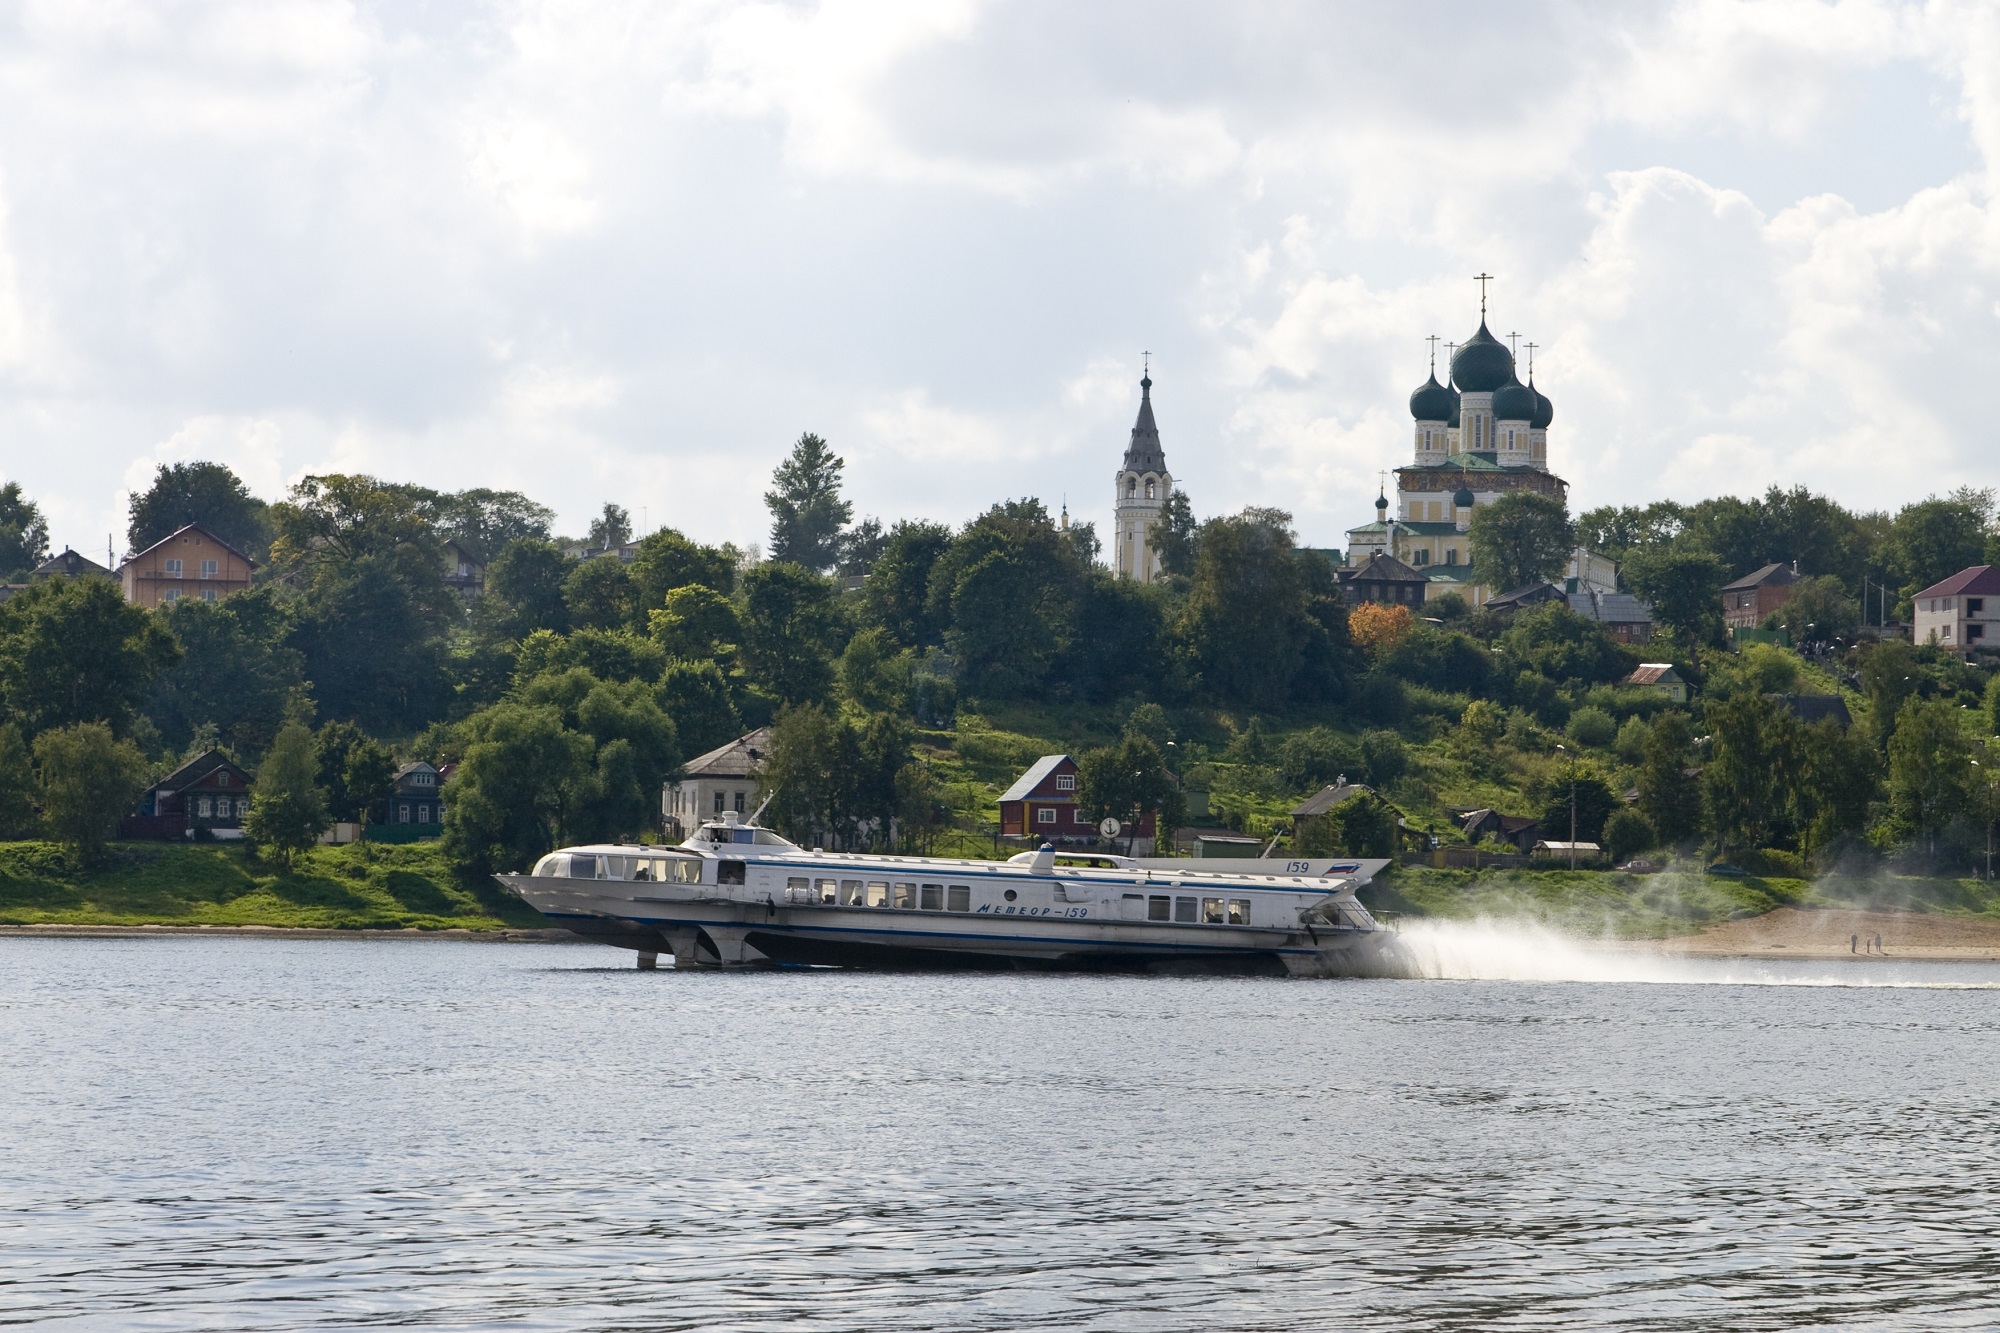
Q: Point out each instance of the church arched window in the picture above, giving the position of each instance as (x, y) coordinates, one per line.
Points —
(1149, 490)
(1131, 485)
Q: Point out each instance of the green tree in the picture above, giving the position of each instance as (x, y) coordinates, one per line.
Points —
(1685, 590)
(1175, 537)
(897, 593)
(634, 749)
(1384, 758)
(17, 785)
(1125, 650)
(1593, 802)
(807, 513)
(1129, 781)
(1750, 773)
(205, 493)
(1007, 592)
(236, 671)
(24, 533)
(89, 779)
(1934, 539)
(1932, 780)
(354, 769)
(789, 623)
(873, 674)
(1889, 676)
(514, 794)
(524, 588)
(696, 622)
(600, 595)
(287, 805)
(1261, 628)
(665, 560)
(1819, 611)
(611, 528)
(696, 696)
(809, 775)
(333, 521)
(1839, 777)
(371, 651)
(1668, 797)
(862, 545)
(487, 520)
(1626, 834)
(1361, 825)
(74, 650)
(1520, 538)
(608, 654)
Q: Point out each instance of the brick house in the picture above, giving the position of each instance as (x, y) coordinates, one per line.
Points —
(192, 562)
(1757, 594)
(207, 795)
(416, 796)
(1042, 806)
(1962, 613)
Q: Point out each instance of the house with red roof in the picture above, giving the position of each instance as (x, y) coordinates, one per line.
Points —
(1962, 613)
(1042, 806)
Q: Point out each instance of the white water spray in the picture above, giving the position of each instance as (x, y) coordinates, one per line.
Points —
(1488, 949)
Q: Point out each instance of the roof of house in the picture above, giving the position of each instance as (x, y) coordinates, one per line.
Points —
(1327, 797)
(1770, 574)
(1025, 785)
(1654, 673)
(68, 564)
(418, 765)
(738, 759)
(195, 769)
(1814, 707)
(186, 528)
(1384, 568)
(1974, 579)
(1610, 608)
(465, 548)
(1528, 594)
(1509, 824)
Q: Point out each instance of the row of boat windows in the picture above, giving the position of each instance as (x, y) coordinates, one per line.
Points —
(597, 865)
(882, 893)
(1208, 911)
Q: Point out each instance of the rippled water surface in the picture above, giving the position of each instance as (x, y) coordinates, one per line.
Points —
(220, 1133)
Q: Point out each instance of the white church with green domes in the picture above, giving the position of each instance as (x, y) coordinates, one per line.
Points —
(1484, 434)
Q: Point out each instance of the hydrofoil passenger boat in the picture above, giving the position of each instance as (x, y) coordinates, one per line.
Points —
(736, 894)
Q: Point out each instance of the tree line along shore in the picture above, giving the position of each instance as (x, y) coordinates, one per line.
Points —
(910, 671)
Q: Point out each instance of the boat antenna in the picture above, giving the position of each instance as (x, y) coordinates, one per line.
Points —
(768, 796)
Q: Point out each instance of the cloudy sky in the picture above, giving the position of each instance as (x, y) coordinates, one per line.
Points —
(599, 251)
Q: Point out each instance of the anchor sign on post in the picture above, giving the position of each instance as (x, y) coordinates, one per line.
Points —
(1110, 828)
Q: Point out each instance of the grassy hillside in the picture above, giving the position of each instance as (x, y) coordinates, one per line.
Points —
(380, 888)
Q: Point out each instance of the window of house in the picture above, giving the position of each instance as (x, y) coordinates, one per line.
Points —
(1974, 605)
(1975, 631)
(423, 814)
(173, 569)
(1213, 911)
(243, 807)
(201, 807)
(958, 898)
(403, 813)
(1422, 557)
(1946, 633)
(1239, 911)
(739, 802)
(1159, 907)
(1046, 816)
(720, 798)
(1185, 909)
(933, 898)
(1065, 782)
(1451, 555)
(222, 779)
(172, 595)
(1077, 815)
(208, 569)
(208, 594)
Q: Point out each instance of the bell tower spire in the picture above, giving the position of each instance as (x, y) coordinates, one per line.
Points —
(1140, 490)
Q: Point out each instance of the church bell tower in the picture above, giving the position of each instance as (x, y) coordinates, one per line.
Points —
(1142, 487)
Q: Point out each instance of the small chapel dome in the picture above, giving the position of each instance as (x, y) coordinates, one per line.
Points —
(1481, 365)
(1545, 411)
(1515, 402)
(1464, 497)
(1381, 503)
(1432, 401)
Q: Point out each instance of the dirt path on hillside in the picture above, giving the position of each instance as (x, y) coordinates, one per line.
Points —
(1795, 932)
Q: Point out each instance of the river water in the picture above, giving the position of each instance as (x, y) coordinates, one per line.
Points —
(271, 1134)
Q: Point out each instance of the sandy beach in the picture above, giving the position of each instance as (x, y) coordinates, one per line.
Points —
(1794, 932)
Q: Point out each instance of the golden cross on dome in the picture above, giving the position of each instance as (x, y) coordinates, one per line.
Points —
(1482, 279)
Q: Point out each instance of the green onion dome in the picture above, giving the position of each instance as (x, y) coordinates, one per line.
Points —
(1482, 365)
(1515, 402)
(1432, 401)
(1545, 411)
(1464, 497)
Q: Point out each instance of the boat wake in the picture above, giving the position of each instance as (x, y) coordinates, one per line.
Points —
(1488, 949)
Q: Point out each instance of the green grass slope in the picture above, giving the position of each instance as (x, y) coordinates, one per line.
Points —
(212, 884)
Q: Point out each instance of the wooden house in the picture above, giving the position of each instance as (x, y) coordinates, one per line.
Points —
(206, 796)
(1042, 806)
(416, 796)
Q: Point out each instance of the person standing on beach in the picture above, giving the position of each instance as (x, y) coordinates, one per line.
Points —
(1854, 943)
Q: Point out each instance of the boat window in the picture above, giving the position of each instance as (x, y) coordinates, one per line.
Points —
(552, 866)
(878, 893)
(850, 892)
(617, 867)
(729, 872)
(933, 899)
(906, 894)
(958, 898)
(1185, 908)
(642, 869)
(1159, 907)
(582, 867)
(798, 889)
(687, 870)
(1010, 895)
(1239, 911)
(829, 890)
(1211, 911)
